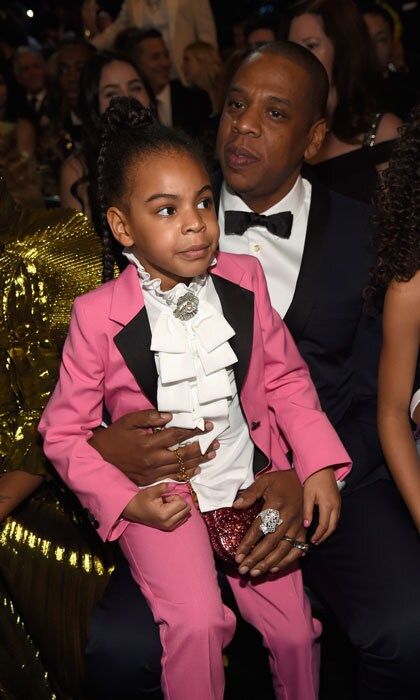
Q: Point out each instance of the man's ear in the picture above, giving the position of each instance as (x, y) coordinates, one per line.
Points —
(119, 226)
(316, 138)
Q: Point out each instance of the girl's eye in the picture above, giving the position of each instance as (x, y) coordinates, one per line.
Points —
(166, 211)
(312, 46)
(205, 203)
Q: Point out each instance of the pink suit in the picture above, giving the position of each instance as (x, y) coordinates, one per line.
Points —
(107, 360)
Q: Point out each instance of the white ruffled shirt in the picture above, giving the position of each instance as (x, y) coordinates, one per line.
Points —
(196, 381)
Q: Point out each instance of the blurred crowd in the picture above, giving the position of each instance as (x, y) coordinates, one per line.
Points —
(61, 63)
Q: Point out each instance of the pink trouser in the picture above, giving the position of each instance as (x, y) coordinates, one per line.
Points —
(177, 575)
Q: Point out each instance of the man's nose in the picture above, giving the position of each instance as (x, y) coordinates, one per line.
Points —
(248, 122)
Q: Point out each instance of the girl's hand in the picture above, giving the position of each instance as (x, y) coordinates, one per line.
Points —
(321, 490)
(156, 507)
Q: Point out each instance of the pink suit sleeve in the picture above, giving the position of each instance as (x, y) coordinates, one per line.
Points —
(74, 410)
(292, 396)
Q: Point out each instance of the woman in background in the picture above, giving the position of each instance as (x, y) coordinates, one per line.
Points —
(397, 276)
(360, 138)
(105, 76)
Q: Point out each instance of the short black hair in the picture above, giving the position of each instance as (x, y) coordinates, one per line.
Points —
(318, 78)
(267, 21)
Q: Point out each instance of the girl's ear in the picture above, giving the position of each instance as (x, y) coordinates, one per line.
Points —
(118, 225)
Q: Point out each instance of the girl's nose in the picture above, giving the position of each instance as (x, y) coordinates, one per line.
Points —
(193, 223)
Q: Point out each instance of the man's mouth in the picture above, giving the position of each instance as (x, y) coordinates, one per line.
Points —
(238, 157)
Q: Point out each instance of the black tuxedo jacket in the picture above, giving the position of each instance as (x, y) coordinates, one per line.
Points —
(191, 107)
(337, 338)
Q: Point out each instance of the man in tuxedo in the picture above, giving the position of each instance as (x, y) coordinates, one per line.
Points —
(315, 248)
(176, 104)
(316, 272)
(31, 74)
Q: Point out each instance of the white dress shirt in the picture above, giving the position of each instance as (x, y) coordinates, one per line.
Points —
(196, 381)
(280, 257)
(164, 106)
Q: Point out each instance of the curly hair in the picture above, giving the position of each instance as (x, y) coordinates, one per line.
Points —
(397, 221)
(128, 132)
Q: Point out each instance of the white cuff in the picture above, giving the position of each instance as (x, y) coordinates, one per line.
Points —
(415, 401)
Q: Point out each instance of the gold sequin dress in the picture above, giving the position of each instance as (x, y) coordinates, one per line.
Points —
(53, 566)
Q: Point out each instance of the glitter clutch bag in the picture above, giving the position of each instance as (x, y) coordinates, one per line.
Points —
(227, 527)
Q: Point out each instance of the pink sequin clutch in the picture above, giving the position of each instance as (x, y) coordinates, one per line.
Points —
(227, 527)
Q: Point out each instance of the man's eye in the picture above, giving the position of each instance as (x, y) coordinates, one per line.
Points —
(275, 114)
(235, 104)
(166, 211)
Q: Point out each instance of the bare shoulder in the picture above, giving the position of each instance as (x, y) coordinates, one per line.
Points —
(389, 127)
(404, 297)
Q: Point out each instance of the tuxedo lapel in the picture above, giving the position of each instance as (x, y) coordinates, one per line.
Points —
(134, 342)
(303, 300)
(238, 310)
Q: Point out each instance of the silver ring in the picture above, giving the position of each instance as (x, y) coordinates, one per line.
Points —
(303, 546)
(270, 520)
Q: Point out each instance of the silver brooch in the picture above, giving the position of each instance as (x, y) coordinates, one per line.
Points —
(186, 306)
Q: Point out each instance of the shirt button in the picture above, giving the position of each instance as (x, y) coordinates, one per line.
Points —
(256, 248)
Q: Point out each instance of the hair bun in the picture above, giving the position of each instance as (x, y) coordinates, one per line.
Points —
(126, 113)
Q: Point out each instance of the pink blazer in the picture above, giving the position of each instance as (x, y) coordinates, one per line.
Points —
(107, 361)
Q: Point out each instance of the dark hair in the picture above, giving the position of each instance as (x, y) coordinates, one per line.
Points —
(129, 131)
(266, 21)
(371, 7)
(129, 38)
(11, 112)
(88, 109)
(318, 79)
(76, 41)
(356, 73)
(398, 215)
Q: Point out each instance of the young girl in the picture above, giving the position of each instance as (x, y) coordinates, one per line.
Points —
(397, 272)
(193, 331)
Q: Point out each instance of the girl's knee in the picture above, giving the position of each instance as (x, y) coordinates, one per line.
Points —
(208, 622)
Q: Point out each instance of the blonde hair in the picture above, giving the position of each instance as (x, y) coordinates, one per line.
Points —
(210, 64)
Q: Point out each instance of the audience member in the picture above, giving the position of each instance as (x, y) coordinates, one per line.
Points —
(360, 138)
(70, 58)
(180, 24)
(202, 68)
(260, 29)
(397, 92)
(17, 145)
(177, 105)
(397, 272)
(31, 74)
(61, 135)
(105, 76)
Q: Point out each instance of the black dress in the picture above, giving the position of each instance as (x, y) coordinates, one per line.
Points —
(354, 174)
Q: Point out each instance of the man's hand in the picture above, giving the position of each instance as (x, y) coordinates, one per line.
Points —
(157, 507)
(259, 554)
(132, 446)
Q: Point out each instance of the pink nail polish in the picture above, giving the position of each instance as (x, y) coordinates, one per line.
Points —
(306, 523)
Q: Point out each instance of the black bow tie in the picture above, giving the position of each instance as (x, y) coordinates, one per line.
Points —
(237, 222)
